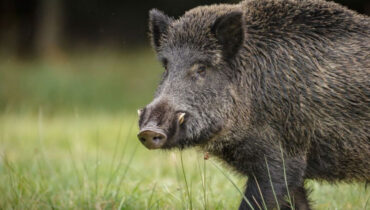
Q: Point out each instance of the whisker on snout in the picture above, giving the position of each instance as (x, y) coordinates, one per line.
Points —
(181, 118)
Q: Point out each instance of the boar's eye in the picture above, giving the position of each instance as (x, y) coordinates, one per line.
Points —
(201, 70)
(198, 70)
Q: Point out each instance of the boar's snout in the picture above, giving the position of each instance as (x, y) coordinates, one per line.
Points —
(152, 138)
(159, 124)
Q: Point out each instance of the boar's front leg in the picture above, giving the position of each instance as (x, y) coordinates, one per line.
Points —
(267, 188)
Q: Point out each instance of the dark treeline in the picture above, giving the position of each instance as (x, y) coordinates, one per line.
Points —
(34, 27)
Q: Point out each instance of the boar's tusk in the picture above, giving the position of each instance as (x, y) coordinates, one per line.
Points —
(181, 118)
(139, 112)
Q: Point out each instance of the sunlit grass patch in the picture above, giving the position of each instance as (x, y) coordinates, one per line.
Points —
(90, 161)
(76, 160)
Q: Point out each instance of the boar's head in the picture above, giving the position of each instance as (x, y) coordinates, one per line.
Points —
(197, 94)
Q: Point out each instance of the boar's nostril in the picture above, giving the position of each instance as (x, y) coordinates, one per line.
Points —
(157, 138)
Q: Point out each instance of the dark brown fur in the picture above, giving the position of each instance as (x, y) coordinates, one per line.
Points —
(294, 93)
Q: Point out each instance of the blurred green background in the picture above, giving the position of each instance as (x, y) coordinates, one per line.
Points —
(108, 81)
(85, 55)
(72, 74)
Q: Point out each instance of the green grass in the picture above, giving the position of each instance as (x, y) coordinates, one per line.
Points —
(68, 141)
(94, 161)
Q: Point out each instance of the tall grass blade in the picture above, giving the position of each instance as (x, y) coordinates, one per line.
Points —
(285, 178)
(97, 163)
(367, 202)
(119, 164)
(272, 186)
(233, 183)
(186, 182)
(260, 192)
(203, 174)
(125, 171)
(151, 197)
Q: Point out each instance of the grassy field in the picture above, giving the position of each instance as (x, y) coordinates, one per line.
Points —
(68, 141)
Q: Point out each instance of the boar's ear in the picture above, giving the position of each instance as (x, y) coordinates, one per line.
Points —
(228, 30)
(158, 25)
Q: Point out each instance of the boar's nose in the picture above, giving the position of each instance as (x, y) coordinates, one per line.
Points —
(152, 138)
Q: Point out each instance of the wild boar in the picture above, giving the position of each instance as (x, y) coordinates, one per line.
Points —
(278, 89)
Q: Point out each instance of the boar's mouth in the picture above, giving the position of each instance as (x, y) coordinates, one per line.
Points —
(161, 130)
(176, 129)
